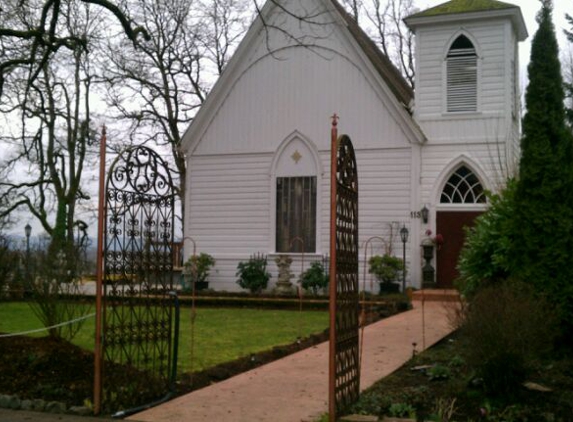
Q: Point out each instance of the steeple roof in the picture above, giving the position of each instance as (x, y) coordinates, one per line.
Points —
(460, 10)
(464, 6)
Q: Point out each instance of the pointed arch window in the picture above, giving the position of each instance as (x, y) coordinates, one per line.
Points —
(463, 187)
(462, 76)
(296, 189)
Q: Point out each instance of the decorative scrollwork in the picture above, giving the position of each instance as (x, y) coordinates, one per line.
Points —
(140, 200)
(142, 171)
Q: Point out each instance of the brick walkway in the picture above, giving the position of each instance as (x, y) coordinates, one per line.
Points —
(295, 388)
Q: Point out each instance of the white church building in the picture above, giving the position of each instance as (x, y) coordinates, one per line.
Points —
(258, 152)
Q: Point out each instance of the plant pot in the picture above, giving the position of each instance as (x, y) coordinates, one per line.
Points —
(428, 251)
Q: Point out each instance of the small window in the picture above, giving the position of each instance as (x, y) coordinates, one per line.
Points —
(463, 187)
(296, 214)
(462, 76)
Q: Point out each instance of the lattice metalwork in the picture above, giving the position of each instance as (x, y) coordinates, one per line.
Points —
(138, 278)
(345, 382)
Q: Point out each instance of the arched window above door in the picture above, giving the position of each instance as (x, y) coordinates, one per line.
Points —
(462, 76)
(463, 187)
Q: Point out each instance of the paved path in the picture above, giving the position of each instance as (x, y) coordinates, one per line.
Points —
(295, 388)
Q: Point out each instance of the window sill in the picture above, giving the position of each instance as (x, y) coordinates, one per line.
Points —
(461, 114)
(309, 255)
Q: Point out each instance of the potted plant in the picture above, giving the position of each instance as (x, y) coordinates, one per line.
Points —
(199, 267)
(253, 274)
(386, 269)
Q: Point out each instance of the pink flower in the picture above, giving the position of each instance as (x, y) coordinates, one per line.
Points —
(437, 240)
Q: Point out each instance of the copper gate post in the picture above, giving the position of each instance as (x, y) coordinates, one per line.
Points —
(344, 363)
(99, 276)
(332, 274)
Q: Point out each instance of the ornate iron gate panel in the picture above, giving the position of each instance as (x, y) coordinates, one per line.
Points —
(344, 304)
(138, 279)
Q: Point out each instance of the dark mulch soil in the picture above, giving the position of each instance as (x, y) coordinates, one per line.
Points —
(54, 369)
(438, 385)
(46, 368)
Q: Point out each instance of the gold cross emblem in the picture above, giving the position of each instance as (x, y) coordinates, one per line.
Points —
(296, 156)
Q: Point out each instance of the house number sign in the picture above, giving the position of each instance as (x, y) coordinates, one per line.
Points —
(415, 214)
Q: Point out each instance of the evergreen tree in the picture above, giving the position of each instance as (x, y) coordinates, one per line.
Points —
(542, 245)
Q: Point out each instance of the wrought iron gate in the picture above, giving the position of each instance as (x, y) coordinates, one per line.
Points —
(138, 279)
(344, 371)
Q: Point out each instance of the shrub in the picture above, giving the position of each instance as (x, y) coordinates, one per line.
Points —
(200, 266)
(315, 278)
(507, 328)
(253, 274)
(385, 268)
(484, 257)
(402, 410)
(438, 372)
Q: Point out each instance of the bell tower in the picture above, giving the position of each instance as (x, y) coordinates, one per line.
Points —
(467, 84)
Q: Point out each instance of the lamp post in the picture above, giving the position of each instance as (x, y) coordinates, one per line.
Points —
(404, 237)
(28, 232)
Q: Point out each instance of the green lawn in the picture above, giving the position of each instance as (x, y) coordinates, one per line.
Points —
(220, 334)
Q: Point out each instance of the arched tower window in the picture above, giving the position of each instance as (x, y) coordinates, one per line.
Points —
(462, 76)
(463, 187)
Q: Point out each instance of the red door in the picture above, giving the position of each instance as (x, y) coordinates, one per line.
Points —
(450, 224)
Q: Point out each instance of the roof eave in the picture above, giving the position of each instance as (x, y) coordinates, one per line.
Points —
(513, 13)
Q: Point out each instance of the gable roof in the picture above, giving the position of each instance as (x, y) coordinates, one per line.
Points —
(389, 73)
(464, 6)
(394, 82)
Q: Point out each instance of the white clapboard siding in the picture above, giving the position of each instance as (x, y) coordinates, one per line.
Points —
(228, 202)
(231, 221)
(483, 127)
(300, 92)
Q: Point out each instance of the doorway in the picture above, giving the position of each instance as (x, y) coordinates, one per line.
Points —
(450, 224)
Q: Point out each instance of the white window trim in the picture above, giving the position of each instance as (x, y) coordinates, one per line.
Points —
(444, 175)
(479, 60)
(295, 135)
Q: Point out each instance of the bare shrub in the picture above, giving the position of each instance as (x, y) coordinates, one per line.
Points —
(506, 330)
(56, 293)
(11, 272)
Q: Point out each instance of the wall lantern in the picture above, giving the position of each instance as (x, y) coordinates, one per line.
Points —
(425, 214)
